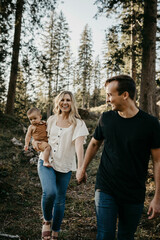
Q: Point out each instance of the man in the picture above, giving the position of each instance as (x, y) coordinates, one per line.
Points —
(129, 136)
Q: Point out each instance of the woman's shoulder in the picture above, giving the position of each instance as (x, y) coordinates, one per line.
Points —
(80, 124)
(79, 121)
(52, 117)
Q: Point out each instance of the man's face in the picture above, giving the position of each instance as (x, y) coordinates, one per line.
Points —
(112, 97)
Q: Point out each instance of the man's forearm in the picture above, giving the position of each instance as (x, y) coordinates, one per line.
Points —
(90, 153)
(157, 179)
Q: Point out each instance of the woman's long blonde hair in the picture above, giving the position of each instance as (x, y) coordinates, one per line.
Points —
(73, 114)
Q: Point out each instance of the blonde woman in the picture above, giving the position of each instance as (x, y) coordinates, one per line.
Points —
(66, 136)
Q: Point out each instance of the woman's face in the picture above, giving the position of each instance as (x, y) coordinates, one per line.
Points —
(65, 103)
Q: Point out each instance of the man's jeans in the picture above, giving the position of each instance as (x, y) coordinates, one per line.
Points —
(107, 211)
(54, 187)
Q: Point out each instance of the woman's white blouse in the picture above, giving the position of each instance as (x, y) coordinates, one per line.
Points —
(62, 142)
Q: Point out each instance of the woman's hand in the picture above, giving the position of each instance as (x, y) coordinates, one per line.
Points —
(81, 176)
(35, 145)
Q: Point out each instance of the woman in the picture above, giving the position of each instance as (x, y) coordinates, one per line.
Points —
(66, 132)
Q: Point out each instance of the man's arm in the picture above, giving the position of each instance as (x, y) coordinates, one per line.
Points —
(154, 208)
(28, 137)
(90, 153)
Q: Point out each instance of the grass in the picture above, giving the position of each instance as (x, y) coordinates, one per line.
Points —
(20, 201)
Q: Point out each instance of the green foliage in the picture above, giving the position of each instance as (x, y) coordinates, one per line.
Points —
(55, 60)
(22, 102)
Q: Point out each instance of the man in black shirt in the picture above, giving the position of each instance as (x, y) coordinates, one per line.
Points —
(130, 136)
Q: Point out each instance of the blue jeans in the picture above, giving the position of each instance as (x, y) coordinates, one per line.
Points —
(54, 186)
(107, 211)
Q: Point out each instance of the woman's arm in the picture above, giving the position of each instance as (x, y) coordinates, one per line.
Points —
(79, 150)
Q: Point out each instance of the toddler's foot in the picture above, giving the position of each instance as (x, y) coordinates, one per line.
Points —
(46, 164)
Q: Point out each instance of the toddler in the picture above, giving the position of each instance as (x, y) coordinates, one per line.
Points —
(37, 130)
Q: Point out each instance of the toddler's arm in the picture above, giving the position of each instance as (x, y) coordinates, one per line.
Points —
(28, 137)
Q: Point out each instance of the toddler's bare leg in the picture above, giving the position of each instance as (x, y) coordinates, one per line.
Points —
(46, 156)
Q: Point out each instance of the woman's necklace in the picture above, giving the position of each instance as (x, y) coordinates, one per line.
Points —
(64, 123)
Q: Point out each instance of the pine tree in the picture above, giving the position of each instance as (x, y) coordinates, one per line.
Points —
(15, 56)
(97, 82)
(6, 10)
(85, 65)
(67, 68)
(61, 46)
(134, 21)
(148, 98)
(130, 14)
(48, 60)
(22, 101)
(31, 19)
(112, 57)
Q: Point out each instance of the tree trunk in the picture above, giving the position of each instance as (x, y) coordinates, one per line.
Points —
(148, 84)
(15, 56)
(133, 40)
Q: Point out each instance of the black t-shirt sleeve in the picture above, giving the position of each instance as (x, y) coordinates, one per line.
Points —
(155, 143)
(98, 134)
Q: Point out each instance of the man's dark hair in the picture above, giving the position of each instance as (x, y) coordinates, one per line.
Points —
(125, 83)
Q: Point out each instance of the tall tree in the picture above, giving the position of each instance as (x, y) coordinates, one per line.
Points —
(131, 39)
(6, 11)
(67, 70)
(112, 57)
(85, 64)
(97, 81)
(148, 98)
(55, 54)
(149, 8)
(62, 46)
(48, 59)
(129, 25)
(36, 9)
(21, 98)
(15, 56)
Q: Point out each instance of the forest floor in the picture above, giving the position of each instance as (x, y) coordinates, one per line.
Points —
(20, 200)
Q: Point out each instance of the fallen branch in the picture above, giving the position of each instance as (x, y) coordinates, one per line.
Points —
(9, 236)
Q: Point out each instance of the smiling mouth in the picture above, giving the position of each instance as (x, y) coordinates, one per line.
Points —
(109, 104)
(65, 107)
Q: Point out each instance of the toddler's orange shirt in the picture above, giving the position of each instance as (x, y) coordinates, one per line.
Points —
(40, 133)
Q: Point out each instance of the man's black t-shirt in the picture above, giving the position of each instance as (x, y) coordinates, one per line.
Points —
(124, 162)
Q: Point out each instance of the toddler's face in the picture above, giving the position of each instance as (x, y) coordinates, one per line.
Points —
(34, 118)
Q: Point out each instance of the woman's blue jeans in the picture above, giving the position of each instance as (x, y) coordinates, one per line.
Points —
(54, 186)
(107, 211)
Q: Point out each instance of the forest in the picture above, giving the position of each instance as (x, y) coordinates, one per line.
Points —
(36, 64)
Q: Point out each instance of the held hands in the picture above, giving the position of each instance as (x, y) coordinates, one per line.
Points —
(154, 209)
(81, 176)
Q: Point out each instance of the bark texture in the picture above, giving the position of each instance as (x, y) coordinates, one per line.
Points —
(148, 84)
(15, 55)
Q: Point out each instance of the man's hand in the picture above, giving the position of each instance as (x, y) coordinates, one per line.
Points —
(154, 209)
(81, 176)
